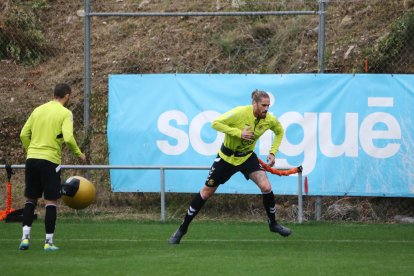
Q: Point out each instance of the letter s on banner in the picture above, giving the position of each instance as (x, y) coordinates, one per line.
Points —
(165, 128)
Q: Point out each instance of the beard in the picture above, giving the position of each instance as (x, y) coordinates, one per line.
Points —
(262, 115)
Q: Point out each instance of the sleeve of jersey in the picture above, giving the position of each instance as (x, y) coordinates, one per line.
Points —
(26, 133)
(277, 140)
(67, 131)
(224, 122)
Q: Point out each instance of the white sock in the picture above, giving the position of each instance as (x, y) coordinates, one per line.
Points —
(49, 238)
(26, 232)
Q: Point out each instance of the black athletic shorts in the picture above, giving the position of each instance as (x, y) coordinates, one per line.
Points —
(42, 178)
(221, 171)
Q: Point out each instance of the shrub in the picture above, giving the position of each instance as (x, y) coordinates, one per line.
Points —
(391, 47)
(21, 39)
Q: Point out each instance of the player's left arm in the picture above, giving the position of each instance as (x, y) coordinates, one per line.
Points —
(278, 130)
(67, 131)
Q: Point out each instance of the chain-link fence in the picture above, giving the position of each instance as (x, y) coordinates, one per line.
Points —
(42, 43)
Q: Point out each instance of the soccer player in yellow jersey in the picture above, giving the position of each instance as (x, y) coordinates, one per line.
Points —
(42, 136)
(242, 127)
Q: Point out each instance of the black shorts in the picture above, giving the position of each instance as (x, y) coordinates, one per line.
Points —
(42, 178)
(221, 171)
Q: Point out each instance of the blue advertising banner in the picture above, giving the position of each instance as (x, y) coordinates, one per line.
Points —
(353, 134)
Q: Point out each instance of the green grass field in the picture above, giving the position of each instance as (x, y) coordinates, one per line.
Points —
(210, 248)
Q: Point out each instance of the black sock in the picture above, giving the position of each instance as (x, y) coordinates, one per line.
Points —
(192, 211)
(50, 219)
(269, 205)
(28, 213)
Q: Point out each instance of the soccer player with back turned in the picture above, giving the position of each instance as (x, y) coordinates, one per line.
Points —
(242, 127)
(42, 136)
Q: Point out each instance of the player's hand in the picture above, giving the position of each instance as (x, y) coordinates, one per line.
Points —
(247, 134)
(270, 159)
(82, 158)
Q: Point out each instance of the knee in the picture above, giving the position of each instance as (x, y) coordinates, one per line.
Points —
(207, 192)
(204, 194)
(266, 188)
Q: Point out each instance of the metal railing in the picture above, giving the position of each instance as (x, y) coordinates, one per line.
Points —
(162, 179)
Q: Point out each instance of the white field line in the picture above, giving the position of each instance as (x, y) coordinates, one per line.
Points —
(228, 240)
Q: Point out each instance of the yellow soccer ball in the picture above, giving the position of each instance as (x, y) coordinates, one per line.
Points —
(78, 192)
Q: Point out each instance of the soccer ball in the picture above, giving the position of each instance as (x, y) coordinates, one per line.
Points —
(78, 192)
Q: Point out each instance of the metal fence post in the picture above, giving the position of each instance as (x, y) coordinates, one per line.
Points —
(300, 201)
(162, 177)
(87, 66)
(318, 210)
(321, 69)
(321, 36)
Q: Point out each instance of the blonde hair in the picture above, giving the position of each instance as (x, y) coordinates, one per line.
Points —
(258, 95)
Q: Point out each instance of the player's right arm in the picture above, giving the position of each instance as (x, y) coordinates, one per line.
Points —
(26, 133)
(225, 123)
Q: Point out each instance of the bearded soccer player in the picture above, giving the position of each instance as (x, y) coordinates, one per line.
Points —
(242, 127)
(42, 136)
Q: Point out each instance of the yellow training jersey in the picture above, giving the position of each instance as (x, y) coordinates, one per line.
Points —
(47, 128)
(232, 124)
